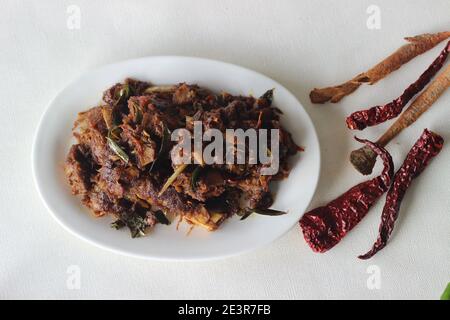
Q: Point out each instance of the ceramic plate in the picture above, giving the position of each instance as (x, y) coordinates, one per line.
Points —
(54, 137)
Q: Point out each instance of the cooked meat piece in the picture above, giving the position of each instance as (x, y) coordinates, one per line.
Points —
(210, 183)
(142, 146)
(78, 168)
(90, 130)
(175, 203)
(109, 180)
(100, 202)
(184, 94)
(227, 203)
(256, 190)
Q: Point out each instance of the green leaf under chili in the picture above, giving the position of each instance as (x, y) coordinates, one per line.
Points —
(446, 294)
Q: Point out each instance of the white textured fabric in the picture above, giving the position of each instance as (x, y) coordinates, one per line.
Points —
(301, 44)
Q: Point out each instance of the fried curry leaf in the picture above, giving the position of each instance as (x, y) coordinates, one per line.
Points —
(117, 150)
(195, 176)
(137, 226)
(245, 213)
(262, 211)
(165, 142)
(137, 112)
(124, 92)
(269, 212)
(118, 224)
(161, 217)
(268, 95)
(134, 222)
(121, 95)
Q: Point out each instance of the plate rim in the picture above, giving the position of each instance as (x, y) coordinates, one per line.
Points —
(124, 252)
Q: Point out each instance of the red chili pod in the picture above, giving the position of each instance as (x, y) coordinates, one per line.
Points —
(365, 118)
(427, 147)
(325, 226)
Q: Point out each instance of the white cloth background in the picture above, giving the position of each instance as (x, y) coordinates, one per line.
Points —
(301, 44)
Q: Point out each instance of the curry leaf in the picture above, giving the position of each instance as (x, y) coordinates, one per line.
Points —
(262, 211)
(269, 212)
(165, 141)
(117, 150)
(245, 213)
(118, 224)
(161, 217)
(137, 226)
(124, 92)
(446, 294)
(268, 95)
(194, 177)
(134, 222)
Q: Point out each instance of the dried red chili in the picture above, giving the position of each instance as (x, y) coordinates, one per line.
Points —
(428, 146)
(365, 118)
(325, 226)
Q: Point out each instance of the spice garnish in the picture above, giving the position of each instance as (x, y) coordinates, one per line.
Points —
(378, 114)
(415, 46)
(427, 147)
(364, 159)
(325, 226)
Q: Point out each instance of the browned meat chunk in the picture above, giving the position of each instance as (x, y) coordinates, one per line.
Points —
(78, 169)
(184, 94)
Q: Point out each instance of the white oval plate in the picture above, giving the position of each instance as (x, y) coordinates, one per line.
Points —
(54, 137)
